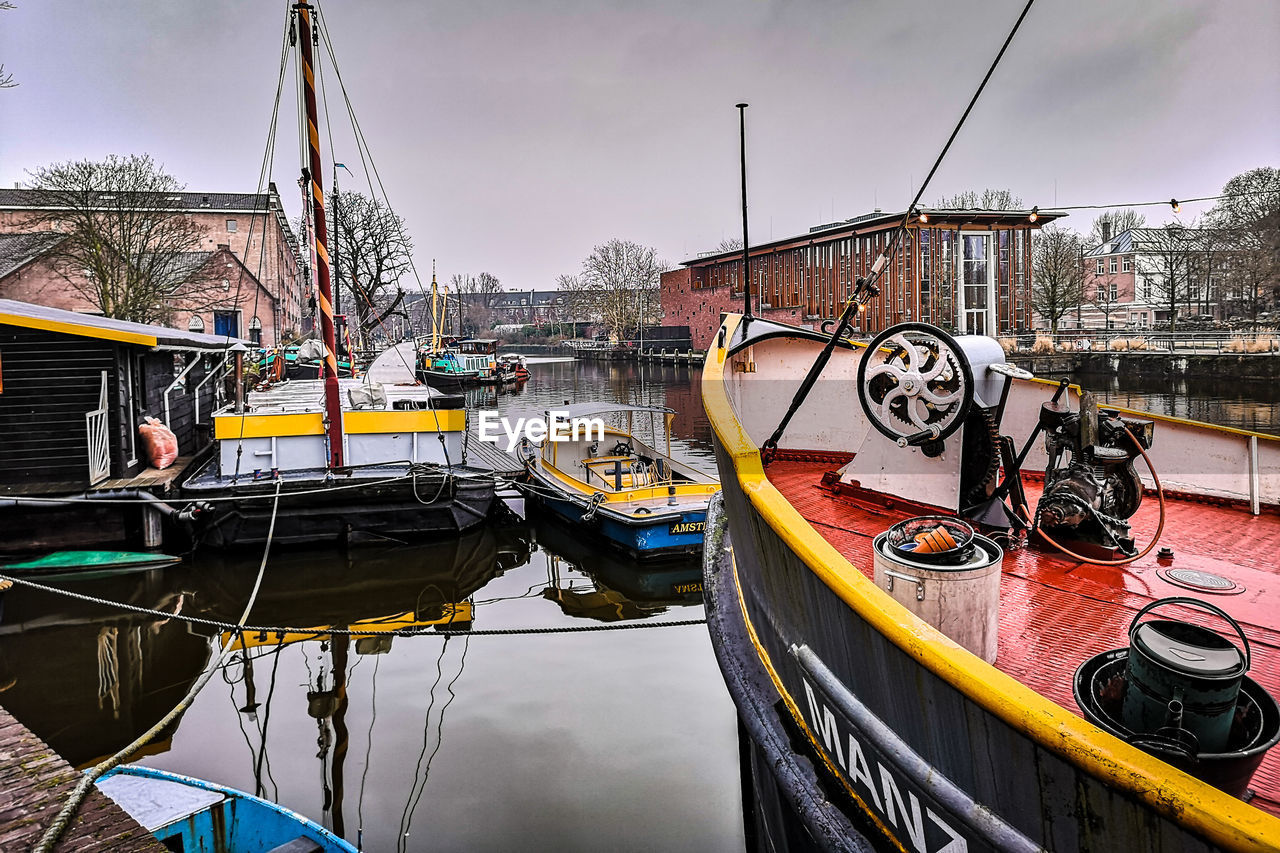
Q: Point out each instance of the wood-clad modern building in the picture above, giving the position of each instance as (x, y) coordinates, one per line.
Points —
(74, 389)
(967, 271)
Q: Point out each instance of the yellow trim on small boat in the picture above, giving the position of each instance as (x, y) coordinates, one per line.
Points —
(83, 330)
(420, 420)
(640, 493)
(1222, 819)
(266, 426)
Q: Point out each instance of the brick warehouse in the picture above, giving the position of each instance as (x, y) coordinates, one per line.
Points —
(805, 280)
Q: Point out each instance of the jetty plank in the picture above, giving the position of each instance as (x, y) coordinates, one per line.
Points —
(34, 784)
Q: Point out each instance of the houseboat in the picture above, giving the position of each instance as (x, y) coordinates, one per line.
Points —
(933, 602)
(614, 486)
(331, 459)
(74, 388)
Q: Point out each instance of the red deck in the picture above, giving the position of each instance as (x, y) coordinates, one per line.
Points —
(1056, 612)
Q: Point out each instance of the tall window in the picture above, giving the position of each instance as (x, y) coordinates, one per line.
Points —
(1100, 266)
(1128, 263)
(255, 331)
(1113, 264)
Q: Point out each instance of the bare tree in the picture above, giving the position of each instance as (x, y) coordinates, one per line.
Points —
(474, 297)
(1247, 224)
(1170, 262)
(6, 79)
(988, 199)
(128, 250)
(1119, 221)
(729, 244)
(375, 254)
(620, 284)
(1058, 285)
(573, 305)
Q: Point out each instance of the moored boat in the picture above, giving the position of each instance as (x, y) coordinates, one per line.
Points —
(85, 565)
(191, 814)
(616, 487)
(991, 728)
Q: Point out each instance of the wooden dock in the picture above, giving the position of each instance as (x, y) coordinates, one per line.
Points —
(484, 454)
(34, 784)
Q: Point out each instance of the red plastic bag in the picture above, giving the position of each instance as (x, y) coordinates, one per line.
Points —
(160, 442)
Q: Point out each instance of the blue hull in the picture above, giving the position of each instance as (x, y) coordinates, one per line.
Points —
(231, 822)
(642, 539)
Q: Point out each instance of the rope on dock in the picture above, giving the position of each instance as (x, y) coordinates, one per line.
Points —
(316, 631)
(68, 811)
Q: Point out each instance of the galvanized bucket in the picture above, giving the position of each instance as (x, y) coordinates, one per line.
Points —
(1183, 681)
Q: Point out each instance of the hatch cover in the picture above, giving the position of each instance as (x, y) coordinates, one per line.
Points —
(1201, 581)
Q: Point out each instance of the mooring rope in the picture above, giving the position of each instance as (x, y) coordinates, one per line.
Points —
(68, 811)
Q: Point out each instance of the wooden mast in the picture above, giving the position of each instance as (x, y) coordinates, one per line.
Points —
(332, 402)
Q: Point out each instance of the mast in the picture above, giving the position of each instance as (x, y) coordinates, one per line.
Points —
(332, 403)
(435, 311)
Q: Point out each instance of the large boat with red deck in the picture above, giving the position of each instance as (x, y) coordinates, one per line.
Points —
(962, 608)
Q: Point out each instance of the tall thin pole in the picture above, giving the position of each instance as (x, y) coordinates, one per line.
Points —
(332, 403)
(746, 252)
(337, 255)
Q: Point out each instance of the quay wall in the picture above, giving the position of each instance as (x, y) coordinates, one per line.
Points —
(1223, 366)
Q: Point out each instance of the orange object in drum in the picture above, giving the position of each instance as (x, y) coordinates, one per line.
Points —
(934, 541)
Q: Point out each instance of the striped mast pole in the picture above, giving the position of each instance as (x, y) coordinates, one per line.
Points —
(332, 401)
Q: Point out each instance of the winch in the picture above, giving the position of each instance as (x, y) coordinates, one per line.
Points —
(1091, 487)
(1180, 691)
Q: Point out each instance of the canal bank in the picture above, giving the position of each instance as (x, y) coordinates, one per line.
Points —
(1221, 366)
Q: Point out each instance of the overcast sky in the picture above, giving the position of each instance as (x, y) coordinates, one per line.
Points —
(514, 135)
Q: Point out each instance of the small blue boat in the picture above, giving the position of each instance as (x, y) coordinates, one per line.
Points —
(615, 486)
(193, 815)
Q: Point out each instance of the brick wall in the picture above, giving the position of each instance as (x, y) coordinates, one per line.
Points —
(700, 310)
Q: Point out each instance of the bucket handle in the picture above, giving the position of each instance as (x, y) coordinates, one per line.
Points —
(1193, 602)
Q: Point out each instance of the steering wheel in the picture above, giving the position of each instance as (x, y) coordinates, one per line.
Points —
(622, 448)
(915, 384)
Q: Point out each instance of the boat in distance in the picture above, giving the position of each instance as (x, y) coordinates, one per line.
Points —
(190, 814)
(617, 488)
(928, 604)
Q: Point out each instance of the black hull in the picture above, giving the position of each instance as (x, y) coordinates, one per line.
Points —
(788, 805)
(449, 383)
(443, 506)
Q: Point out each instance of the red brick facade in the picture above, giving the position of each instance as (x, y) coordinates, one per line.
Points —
(806, 280)
(251, 227)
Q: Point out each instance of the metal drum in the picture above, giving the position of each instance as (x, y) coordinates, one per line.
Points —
(1183, 679)
(943, 572)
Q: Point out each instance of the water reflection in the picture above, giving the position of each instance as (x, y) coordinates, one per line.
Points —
(1238, 403)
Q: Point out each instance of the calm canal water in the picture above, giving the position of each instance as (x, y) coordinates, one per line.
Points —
(619, 740)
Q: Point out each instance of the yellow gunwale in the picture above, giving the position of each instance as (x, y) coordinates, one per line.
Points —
(80, 330)
(641, 493)
(1218, 817)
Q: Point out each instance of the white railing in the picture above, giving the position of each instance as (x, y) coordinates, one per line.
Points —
(99, 447)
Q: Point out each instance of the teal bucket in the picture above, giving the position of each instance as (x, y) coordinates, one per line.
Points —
(1183, 681)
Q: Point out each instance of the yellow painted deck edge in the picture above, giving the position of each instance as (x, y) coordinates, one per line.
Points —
(1219, 817)
(265, 426)
(84, 331)
(444, 420)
